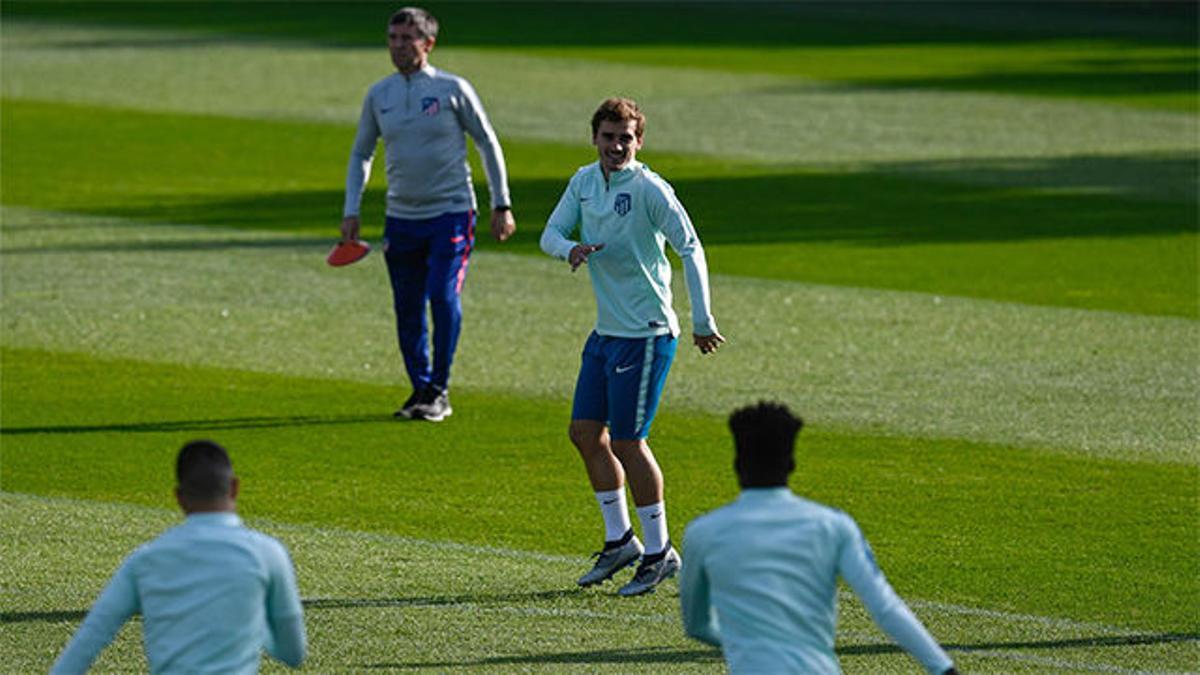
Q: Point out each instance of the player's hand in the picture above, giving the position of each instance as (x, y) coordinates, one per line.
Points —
(580, 253)
(503, 224)
(707, 343)
(350, 227)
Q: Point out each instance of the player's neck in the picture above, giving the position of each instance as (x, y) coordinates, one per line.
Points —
(409, 71)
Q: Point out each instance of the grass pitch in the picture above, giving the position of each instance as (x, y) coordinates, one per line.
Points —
(961, 242)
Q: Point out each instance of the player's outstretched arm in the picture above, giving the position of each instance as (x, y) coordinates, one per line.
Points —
(858, 567)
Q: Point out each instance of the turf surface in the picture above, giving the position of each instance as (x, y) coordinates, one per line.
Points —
(992, 241)
(961, 242)
(433, 606)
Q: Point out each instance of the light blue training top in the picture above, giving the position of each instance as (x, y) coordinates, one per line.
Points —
(422, 119)
(759, 580)
(212, 594)
(633, 213)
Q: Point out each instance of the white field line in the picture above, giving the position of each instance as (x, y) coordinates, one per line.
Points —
(518, 554)
(399, 541)
(661, 618)
(1060, 664)
(1013, 617)
(670, 618)
(925, 380)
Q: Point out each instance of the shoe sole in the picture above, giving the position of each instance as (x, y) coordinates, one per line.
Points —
(608, 576)
(430, 418)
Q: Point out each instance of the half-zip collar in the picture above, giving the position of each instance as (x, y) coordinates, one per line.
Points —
(622, 176)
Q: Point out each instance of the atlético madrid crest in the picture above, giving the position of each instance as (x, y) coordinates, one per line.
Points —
(430, 106)
(622, 203)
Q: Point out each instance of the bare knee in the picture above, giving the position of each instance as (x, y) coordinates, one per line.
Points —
(589, 436)
(630, 449)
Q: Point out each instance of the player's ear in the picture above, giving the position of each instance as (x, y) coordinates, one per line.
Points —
(234, 486)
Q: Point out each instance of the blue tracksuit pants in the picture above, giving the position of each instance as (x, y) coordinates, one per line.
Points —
(427, 264)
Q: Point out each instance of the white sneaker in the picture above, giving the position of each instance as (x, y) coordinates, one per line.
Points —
(433, 405)
(652, 574)
(612, 560)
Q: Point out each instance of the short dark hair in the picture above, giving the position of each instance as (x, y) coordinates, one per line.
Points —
(764, 438)
(619, 110)
(203, 470)
(423, 21)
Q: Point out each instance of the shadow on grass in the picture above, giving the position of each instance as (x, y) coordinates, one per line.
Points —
(568, 25)
(677, 655)
(441, 600)
(202, 425)
(957, 202)
(55, 616)
(949, 201)
(1138, 79)
(178, 245)
(1067, 643)
(490, 24)
(602, 656)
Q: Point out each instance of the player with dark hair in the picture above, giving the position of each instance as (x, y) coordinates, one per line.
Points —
(761, 575)
(203, 472)
(212, 593)
(423, 115)
(626, 214)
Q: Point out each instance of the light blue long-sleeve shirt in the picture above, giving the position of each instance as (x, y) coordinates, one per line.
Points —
(759, 580)
(634, 213)
(422, 119)
(212, 594)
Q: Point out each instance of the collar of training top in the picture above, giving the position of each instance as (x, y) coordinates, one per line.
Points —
(426, 72)
(624, 174)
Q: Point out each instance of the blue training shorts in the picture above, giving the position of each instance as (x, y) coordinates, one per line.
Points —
(620, 381)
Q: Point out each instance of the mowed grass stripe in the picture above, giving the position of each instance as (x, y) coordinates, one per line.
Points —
(1039, 244)
(151, 516)
(850, 358)
(1151, 76)
(1133, 378)
(427, 606)
(765, 117)
(963, 523)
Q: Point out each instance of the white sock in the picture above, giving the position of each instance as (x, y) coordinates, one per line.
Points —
(654, 527)
(615, 513)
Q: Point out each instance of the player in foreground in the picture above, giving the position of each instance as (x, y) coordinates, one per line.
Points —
(761, 575)
(625, 213)
(212, 593)
(423, 115)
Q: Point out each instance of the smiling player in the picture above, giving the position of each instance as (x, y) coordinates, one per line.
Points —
(625, 214)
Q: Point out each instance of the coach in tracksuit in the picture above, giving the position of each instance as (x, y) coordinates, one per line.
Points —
(423, 114)
(626, 214)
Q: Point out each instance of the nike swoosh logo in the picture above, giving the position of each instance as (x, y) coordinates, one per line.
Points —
(655, 516)
(609, 501)
(625, 369)
(384, 111)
